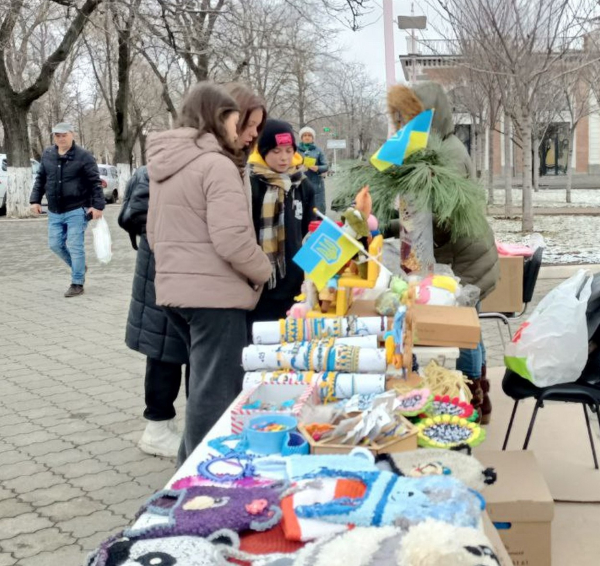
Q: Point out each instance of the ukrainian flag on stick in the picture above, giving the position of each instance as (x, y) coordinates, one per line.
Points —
(325, 253)
(410, 138)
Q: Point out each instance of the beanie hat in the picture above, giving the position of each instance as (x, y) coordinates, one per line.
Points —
(274, 134)
(308, 130)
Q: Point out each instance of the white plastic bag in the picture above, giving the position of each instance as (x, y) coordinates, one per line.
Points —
(552, 346)
(102, 241)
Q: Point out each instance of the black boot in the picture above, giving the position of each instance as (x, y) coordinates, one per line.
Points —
(477, 400)
(486, 404)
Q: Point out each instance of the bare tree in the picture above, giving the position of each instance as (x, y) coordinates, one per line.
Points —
(16, 101)
(523, 41)
(577, 93)
(187, 27)
(508, 166)
(113, 76)
(356, 105)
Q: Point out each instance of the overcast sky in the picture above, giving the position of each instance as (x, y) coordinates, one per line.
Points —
(367, 45)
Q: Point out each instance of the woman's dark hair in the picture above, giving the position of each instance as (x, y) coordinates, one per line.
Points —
(247, 101)
(205, 108)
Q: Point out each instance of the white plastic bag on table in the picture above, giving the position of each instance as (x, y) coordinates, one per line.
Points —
(102, 241)
(552, 346)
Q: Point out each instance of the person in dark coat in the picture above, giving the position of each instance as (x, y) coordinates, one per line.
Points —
(149, 330)
(316, 165)
(69, 177)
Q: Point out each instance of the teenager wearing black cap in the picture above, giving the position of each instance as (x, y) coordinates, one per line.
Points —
(282, 208)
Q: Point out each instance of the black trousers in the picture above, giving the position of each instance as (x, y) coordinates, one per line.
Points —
(161, 387)
(215, 340)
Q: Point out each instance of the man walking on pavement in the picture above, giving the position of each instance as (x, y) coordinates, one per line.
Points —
(69, 177)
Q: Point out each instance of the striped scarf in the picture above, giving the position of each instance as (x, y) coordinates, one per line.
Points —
(271, 235)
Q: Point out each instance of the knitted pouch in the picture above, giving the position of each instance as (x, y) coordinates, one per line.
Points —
(167, 551)
(399, 501)
(203, 510)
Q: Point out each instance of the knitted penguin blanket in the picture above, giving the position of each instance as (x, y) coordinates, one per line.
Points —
(394, 500)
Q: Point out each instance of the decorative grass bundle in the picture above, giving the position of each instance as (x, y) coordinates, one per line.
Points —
(430, 181)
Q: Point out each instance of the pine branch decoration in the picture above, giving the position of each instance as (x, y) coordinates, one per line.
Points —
(429, 179)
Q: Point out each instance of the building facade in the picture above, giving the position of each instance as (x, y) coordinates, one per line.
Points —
(552, 148)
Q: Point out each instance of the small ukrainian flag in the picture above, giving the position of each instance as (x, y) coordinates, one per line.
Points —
(325, 253)
(410, 138)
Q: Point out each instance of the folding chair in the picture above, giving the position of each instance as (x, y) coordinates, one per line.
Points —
(518, 389)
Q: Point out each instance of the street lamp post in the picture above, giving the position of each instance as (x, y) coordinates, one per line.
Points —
(411, 24)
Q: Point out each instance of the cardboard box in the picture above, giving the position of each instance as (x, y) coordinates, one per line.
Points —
(520, 506)
(405, 443)
(507, 297)
(492, 533)
(446, 326)
(275, 393)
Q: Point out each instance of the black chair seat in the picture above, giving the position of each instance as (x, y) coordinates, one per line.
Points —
(578, 392)
(519, 388)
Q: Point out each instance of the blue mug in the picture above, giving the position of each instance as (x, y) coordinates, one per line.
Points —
(268, 442)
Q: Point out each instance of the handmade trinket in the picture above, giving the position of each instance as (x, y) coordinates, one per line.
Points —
(445, 431)
(444, 405)
(414, 402)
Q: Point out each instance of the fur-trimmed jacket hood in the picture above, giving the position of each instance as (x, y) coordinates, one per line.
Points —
(404, 103)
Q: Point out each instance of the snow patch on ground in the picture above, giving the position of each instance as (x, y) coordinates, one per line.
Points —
(569, 239)
(553, 198)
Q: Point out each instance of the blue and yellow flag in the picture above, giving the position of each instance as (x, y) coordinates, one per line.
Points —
(410, 138)
(325, 253)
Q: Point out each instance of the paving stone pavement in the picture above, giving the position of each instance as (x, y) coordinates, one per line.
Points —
(71, 398)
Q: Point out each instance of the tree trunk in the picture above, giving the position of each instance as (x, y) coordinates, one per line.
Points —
(527, 218)
(142, 139)
(351, 141)
(37, 146)
(569, 163)
(124, 170)
(490, 172)
(18, 150)
(122, 159)
(122, 133)
(508, 170)
(536, 164)
(301, 98)
(480, 153)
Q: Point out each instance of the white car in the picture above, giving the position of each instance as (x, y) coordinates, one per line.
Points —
(4, 180)
(110, 181)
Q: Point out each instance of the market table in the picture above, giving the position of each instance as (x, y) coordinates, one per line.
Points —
(223, 428)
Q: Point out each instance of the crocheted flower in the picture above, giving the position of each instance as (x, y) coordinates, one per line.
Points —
(412, 403)
(444, 405)
(257, 506)
(446, 431)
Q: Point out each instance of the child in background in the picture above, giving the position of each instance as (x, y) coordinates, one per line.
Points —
(282, 208)
(316, 165)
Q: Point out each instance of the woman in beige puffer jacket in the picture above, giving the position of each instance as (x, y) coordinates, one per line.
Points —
(209, 268)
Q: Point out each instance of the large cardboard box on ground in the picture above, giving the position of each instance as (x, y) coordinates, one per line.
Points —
(446, 326)
(521, 506)
(492, 533)
(507, 297)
